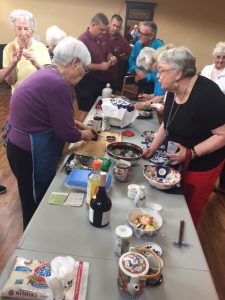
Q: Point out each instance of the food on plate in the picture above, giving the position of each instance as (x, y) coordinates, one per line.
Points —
(144, 221)
(125, 152)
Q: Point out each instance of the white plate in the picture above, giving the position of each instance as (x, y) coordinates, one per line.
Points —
(155, 206)
(153, 246)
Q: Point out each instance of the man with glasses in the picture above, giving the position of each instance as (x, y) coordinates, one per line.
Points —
(90, 87)
(147, 38)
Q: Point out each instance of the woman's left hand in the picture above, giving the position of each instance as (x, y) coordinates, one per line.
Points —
(178, 157)
(31, 57)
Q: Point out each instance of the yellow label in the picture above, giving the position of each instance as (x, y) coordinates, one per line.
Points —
(92, 189)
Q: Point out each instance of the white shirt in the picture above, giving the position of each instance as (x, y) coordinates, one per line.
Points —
(220, 80)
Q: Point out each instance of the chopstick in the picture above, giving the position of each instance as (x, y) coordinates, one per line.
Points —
(181, 233)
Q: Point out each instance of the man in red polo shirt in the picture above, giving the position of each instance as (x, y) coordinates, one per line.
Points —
(90, 87)
(120, 48)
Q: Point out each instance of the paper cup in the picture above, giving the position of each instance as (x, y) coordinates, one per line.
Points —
(171, 147)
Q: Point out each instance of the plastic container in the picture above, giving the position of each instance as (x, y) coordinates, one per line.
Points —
(123, 238)
(107, 91)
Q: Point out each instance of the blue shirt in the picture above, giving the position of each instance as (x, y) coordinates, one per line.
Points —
(158, 91)
(134, 54)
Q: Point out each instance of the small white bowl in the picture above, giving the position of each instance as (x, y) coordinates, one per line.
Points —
(155, 206)
(139, 232)
(153, 246)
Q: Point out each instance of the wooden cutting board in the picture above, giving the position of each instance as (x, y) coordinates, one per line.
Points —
(89, 148)
(103, 136)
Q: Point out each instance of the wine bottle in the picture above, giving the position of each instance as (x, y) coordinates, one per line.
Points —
(100, 206)
(97, 120)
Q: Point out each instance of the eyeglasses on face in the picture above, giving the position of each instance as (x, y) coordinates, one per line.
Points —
(144, 34)
(160, 72)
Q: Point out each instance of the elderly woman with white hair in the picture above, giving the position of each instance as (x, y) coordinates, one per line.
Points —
(54, 35)
(41, 119)
(31, 54)
(194, 119)
(216, 72)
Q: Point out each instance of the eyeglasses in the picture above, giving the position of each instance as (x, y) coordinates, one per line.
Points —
(160, 72)
(145, 34)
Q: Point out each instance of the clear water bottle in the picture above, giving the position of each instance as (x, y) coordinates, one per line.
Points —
(107, 91)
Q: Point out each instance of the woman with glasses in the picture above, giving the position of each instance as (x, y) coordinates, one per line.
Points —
(194, 119)
(148, 60)
(216, 72)
(41, 119)
(31, 54)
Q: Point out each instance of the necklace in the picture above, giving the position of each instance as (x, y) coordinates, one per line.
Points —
(171, 117)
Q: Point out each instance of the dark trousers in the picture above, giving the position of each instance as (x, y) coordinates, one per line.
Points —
(87, 91)
(222, 178)
(20, 162)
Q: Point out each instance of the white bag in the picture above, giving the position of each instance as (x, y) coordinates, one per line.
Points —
(121, 113)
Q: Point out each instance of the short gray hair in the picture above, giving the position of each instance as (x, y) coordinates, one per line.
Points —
(220, 48)
(54, 35)
(179, 58)
(20, 14)
(70, 48)
(151, 25)
(100, 18)
(146, 58)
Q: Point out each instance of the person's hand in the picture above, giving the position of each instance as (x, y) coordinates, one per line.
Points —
(160, 110)
(16, 54)
(178, 157)
(139, 75)
(87, 127)
(143, 96)
(31, 57)
(147, 153)
(87, 135)
(112, 60)
(104, 66)
(139, 105)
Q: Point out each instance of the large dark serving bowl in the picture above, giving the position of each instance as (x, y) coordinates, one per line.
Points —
(124, 150)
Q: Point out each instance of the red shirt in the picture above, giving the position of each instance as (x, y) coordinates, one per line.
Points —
(117, 45)
(98, 50)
